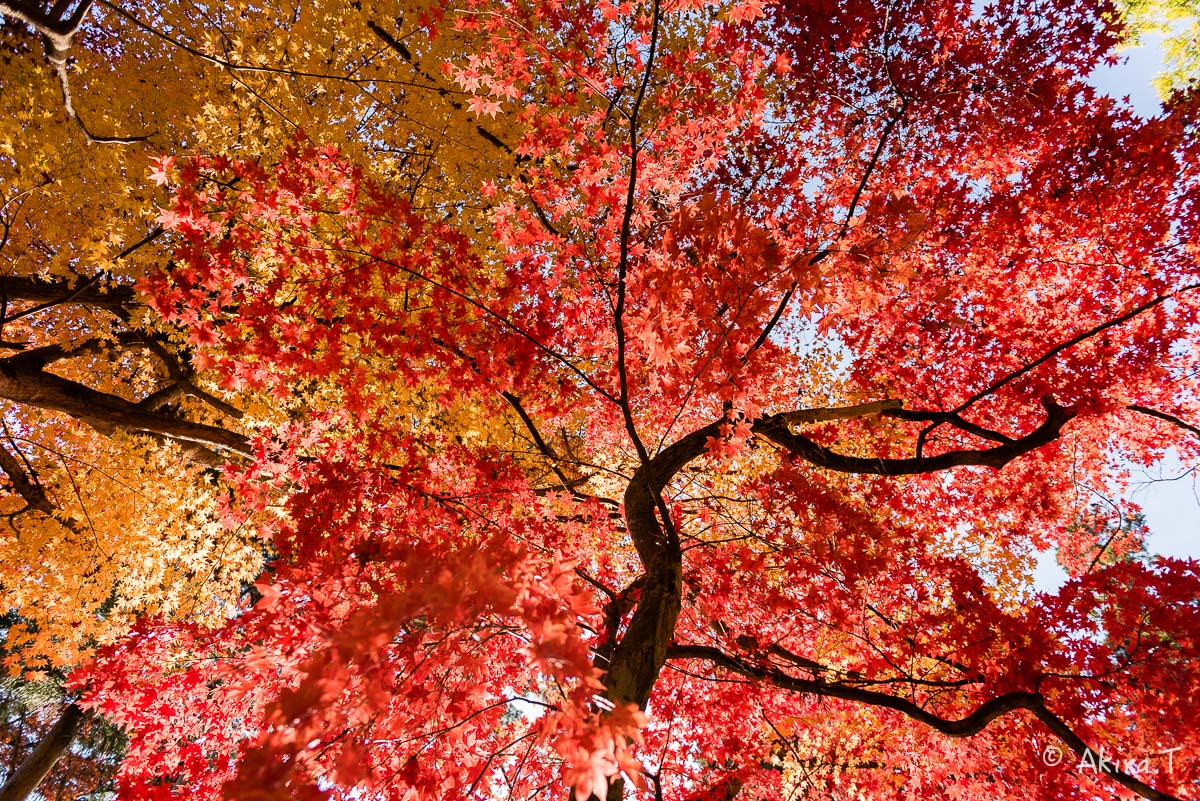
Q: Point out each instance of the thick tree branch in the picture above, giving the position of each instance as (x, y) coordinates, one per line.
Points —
(970, 725)
(45, 756)
(118, 299)
(57, 31)
(23, 381)
(639, 656)
(777, 429)
(46, 294)
(180, 377)
(827, 414)
(25, 483)
(38, 358)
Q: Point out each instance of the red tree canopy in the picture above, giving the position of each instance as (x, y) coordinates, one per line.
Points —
(701, 452)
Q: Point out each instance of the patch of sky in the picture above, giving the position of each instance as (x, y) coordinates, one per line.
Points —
(1167, 493)
(1169, 496)
(1132, 77)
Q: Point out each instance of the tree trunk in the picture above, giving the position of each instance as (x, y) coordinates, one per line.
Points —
(42, 760)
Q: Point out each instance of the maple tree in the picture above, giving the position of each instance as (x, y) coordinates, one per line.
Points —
(93, 93)
(104, 526)
(676, 417)
(78, 750)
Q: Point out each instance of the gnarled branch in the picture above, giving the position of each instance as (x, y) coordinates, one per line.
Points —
(777, 429)
(30, 773)
(23, 381)
(967, 726)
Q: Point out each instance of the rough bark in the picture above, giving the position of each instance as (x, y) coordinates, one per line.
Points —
(22, 381)
(45, 756)
(116, 298)
(777, 428)
(638, 658)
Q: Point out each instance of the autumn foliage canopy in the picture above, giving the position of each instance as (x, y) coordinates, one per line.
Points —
(555, 399)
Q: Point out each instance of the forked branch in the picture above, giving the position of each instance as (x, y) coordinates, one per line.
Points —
(777, 428)
(58, 26)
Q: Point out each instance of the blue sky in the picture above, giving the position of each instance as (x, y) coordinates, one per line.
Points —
(1169, 494)
(1133, 77)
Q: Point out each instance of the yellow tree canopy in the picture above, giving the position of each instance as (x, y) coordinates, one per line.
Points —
(111, 438)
